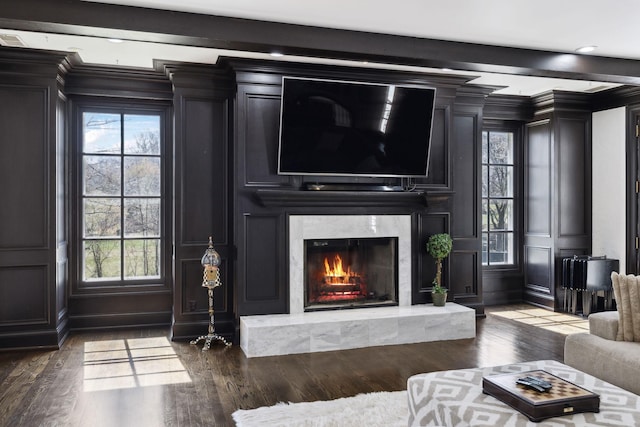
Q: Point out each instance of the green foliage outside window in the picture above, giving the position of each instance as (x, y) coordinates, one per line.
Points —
(498, 197)
(121, 196)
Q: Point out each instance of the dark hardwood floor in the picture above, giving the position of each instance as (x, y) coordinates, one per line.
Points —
(139, 378)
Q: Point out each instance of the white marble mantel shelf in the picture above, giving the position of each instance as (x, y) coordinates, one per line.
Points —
(279, 334)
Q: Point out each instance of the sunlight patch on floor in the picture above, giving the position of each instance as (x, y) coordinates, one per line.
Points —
(130, 363)
(557, 322)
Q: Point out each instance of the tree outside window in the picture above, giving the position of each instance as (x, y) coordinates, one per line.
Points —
(121, 196)
(497, 198)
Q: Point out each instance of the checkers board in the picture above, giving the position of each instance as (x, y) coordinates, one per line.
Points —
(564, 397)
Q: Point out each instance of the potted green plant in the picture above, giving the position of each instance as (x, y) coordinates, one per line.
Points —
(439, 246)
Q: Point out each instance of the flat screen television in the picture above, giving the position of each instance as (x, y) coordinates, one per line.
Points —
(342, 128)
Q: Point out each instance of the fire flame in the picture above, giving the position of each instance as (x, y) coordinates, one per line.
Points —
(337, 282)
(336, 272)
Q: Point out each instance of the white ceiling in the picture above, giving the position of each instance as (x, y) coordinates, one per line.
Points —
(551, 25)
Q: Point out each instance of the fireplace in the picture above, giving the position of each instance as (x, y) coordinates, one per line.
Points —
(304, 229)
(302, 330)
(350, 273)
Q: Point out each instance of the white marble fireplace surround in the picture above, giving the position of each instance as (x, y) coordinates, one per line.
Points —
(300, 332)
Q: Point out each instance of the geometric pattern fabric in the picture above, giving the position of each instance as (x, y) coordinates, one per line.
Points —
(455, 398)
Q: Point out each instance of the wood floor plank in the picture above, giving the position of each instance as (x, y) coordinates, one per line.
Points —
(139, 378)
(20, 383)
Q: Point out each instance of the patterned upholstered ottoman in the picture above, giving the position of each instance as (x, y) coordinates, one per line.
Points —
(455, 399)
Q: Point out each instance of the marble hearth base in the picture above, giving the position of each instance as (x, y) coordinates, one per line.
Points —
(278, 334)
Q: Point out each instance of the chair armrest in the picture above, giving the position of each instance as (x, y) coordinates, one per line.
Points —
(604, 324)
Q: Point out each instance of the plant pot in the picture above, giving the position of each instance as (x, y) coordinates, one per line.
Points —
(439, 299)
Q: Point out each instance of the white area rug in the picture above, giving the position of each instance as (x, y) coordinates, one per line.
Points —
(382, 409)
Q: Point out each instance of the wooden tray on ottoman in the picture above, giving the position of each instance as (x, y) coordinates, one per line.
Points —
(564, 398)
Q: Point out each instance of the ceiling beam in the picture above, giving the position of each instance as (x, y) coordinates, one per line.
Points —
(83, 18)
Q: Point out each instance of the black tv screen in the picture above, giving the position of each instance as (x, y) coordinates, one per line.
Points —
(344, 128)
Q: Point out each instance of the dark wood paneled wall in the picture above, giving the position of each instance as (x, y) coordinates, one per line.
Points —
(466, 221)
(203, 195)
(224, 184)
(262, 266)
(35, 270)
(266, 199)
(557, 192)
(33, 258)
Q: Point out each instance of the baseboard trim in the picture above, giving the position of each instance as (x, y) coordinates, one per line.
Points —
(30, 340)
(539, 300)
(120, 320)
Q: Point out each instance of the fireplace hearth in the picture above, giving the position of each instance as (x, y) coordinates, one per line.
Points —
(350, 273)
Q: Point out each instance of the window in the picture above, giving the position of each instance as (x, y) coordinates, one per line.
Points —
(498, 216)
(120, 206)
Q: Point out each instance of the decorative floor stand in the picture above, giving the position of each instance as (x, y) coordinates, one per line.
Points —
(211, 280)
(212, 328)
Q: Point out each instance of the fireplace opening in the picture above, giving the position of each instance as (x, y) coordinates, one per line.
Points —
(350, 273)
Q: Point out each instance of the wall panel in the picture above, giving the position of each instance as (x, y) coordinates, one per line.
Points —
(261, 130)
(538, 268)
(264, 281)
(572, 177)
(464, 273)
(24, 157)
(203, 171)
(24, 296)
(465, 178)
(538, 178)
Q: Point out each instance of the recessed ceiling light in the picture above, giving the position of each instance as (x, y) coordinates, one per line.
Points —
(586, 49)
(115, 40)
